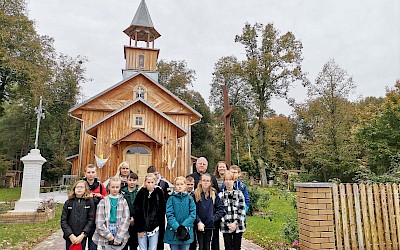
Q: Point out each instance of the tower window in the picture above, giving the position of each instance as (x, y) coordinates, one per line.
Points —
(141, 61)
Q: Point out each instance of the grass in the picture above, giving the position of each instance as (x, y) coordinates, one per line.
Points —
(25, 236)
(265, 232)
(10, 194)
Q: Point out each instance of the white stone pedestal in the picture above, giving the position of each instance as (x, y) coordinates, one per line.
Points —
(30, 200)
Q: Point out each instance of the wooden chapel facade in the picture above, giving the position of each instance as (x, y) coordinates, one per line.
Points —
(136, 120)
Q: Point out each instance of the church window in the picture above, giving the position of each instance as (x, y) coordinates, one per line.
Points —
(141, 61)
(138, 121)
(140, 92)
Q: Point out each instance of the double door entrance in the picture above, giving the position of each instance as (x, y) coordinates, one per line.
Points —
(139, 158)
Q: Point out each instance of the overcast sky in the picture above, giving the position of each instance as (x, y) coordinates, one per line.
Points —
(362, 36)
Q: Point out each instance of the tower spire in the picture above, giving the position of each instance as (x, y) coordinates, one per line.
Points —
(142, 28)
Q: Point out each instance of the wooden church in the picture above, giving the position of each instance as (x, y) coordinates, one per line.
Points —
(136, 120)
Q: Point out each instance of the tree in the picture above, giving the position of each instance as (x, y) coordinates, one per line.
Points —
(326, 120)
(282, 145)
(271, 65)
(176, 77)
(228, 71)
(30, 68)
(378, 134)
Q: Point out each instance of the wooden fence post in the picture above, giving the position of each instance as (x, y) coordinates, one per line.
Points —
(315, 216)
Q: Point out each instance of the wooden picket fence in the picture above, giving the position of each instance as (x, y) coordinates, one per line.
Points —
(366, 216)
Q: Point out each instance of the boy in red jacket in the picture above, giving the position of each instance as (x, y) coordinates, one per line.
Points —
(98, 191)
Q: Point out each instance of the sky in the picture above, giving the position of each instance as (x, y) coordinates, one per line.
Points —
(362, 36)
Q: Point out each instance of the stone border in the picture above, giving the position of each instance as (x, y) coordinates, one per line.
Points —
(313, 184)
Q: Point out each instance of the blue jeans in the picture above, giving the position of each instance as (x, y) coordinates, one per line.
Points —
(180, 247)
(153, 240)
(68, 243)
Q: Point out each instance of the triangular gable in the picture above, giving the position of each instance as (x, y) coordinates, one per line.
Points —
(137, 135)
(92, 128)
(76, 107)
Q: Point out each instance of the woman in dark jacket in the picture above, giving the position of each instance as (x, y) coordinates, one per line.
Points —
(77, 218)
(149, 213)
(209, 209)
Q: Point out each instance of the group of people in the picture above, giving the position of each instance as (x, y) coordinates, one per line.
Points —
(119, 214)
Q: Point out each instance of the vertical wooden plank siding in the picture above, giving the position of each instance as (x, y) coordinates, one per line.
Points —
(350, 204)
(364, 208)
(381, 233)
(372, 217)
(385, 216)
(345, 226)
(397, 209)
(365, 216)
(392, 219)
(336, 205)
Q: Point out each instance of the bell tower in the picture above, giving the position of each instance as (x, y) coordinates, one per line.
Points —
(139, 56)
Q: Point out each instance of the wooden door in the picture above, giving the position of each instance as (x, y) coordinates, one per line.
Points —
(139, 159)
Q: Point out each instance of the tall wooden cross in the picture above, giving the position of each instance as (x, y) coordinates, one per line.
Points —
(39, 116)
(226, 117)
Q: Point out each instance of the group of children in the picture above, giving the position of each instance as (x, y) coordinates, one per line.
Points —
(133, 216)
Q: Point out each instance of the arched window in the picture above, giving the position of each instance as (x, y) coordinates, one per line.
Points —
(140, 92)
(137, 150)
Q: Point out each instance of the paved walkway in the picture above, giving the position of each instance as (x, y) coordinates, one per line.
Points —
(56, 241)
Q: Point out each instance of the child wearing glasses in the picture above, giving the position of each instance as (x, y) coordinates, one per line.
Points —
(209, 209)
(112, 219)
(77, 216)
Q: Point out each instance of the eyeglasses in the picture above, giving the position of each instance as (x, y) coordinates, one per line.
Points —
(79, 187)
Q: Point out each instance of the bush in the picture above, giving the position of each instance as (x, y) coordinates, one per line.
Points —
(259, 201)
(290, 229)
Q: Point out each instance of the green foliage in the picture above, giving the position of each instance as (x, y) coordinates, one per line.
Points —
(10, 194)
(290, 228)
(377, 132)
(248, 165)
(25, 236)
(265, 232)
(325, 123)
(177, 77)
(260, 202)
(30, 68)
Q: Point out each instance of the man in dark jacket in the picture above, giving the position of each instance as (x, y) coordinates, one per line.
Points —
(201, 168)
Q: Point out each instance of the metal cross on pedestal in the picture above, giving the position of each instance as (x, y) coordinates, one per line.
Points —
(226, 117)
(40, 115)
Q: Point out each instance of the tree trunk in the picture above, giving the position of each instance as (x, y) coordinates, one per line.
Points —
(262, 166)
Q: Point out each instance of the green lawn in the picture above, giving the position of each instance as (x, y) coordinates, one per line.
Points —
(26, 236)
(265, 232)
(10, 194)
